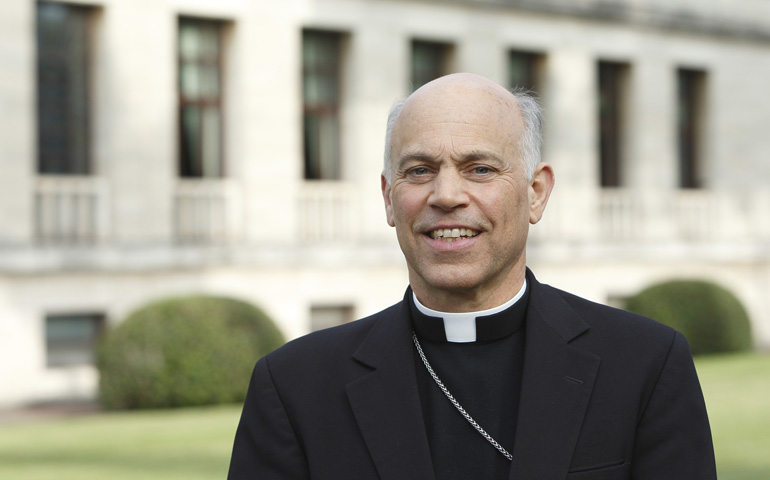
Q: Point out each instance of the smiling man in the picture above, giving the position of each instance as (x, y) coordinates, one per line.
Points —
(461, 192)
(480, 372)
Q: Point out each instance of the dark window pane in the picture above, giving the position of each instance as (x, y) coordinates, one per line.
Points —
(200, 98)
(320, 95)
(691, 85)
(429, 61)
(210, 142)
(71, 339)
(190, 147)
(63, 89)
(611, 95)
(522, 70)
(329, 316)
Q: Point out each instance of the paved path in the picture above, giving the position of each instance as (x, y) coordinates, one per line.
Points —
(47, 412)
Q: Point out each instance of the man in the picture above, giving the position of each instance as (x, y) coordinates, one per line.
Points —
(480, 372)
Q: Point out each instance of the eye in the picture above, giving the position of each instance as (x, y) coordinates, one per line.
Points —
(418, 171)
(481, 171)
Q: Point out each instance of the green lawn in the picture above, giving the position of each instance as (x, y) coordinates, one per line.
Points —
(194, 444)
(190, 444)
(737, 391)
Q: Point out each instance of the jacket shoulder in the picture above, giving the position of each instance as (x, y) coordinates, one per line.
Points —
(330, 344)
(598, 315)
(615, 332)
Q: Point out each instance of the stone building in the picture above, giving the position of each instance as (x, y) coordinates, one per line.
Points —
(152, 148)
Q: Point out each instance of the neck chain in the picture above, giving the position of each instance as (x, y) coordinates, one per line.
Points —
(456, 404)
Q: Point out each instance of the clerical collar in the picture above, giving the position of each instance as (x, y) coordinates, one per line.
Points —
(466, 327)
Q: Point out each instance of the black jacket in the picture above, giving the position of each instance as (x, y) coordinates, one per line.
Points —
(605, 395)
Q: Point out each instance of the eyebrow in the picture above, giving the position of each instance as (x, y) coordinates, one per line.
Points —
(467, 157)
(480, 155)
(416, 156)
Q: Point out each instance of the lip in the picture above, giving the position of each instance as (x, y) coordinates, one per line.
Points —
(460, 244)
(457, 230)
(437, 227)
(450, 227)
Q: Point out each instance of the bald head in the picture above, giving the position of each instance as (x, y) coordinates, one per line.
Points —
(470, 98)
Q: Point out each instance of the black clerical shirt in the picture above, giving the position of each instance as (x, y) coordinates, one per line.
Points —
(485, 378)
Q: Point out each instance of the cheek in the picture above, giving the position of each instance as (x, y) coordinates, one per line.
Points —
(503, 200)
(509, 209)
(405, 205)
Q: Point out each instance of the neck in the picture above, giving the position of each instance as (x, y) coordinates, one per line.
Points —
(466, 300)
(461, 316)
(485, 325)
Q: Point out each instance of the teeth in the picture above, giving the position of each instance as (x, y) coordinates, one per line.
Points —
(451, 234)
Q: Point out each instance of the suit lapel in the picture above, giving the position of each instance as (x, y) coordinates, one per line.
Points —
(556, 385)
(386, 403)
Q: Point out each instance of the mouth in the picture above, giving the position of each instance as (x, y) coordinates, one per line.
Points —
(452, 234)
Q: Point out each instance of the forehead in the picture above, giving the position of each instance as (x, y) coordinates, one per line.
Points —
(462, 120)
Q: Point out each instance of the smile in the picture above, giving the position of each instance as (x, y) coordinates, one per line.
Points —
(452, 234)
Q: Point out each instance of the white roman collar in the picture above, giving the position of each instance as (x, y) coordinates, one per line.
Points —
(461, 327)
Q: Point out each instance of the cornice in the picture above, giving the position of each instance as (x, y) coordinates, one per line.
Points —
(674, 19)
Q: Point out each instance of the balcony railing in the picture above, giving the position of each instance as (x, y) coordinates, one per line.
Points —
(620, 215)
(328, 211)
(623, 216)
(206, 211)
(71, 210)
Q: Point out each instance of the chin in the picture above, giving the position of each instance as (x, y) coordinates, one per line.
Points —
(454, 284)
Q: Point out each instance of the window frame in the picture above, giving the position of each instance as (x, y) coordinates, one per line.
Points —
(534, 65)
(612, 85)
(56, 348)
(442, 52)
(195, 167)
(691, 88)
(322, 113)
(73, 159)
(345, 312)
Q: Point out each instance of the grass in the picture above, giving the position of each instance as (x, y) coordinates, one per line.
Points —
(190, 444)
(737, 391)
(194, 444)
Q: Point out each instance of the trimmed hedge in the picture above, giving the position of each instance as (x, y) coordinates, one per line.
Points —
(710, 317)
(196, 350)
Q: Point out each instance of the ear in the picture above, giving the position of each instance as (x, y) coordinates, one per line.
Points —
(539, 190)
(386, 197)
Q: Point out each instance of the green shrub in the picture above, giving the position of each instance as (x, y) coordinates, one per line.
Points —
(196, 350)
(712, 318)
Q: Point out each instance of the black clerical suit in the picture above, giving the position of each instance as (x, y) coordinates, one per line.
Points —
(604, 395)
(484, 376)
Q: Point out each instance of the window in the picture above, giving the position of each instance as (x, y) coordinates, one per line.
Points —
(690, 113)
(523, 70)
(71, 339)
(430, 60)
(63, 89)
(321, 52)
(329, 316)
(200, 98)
(612, 86)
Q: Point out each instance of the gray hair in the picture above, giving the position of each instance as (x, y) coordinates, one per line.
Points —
(529, 145)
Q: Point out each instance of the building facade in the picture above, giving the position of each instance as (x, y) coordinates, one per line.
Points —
(153, 148)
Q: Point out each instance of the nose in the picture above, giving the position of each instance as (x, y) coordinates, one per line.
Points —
(449, 191)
